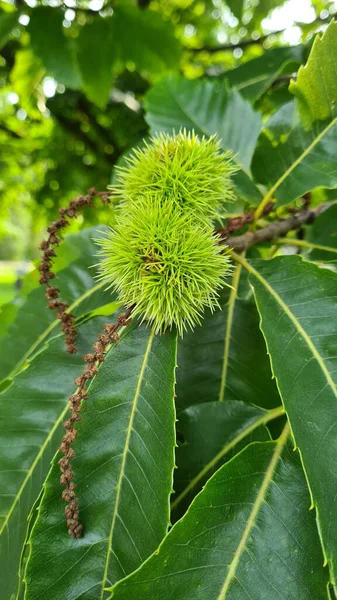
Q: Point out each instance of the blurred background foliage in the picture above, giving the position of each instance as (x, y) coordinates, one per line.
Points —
(73, 75)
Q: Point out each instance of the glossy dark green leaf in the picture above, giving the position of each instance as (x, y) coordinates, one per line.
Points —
(303, 162)
(7, 24)
(315, 87)
(210, 434)
(123, 470)
(297, 302)
(35, 322)
(323, 234)
(96, 53)
(52, 47)
(32, 411)
(248, 534)
(208, 107)
(226, 359)
(254, 77)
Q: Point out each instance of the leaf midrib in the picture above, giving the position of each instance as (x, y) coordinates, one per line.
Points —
(230, 314)
(269, 415)
(291, 168)
(231, 573)
(292, 317)
(124, 457)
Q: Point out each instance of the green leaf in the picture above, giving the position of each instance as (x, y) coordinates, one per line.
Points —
(208, 107)
(248, 534)
(322, 234)
(212, 433)
(123, 471)
(236, 7)
(225, 359)
(7, 23)
(298, 308)
(32, 410)
(25, 77)
(265, 6)
(35, 322)
(303, 162)
(315, 88)
(254, 77)
(280, 124)
(52, 47)
(145, 39)
(96, 53)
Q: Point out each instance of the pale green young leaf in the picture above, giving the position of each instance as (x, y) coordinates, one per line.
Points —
(315, 87)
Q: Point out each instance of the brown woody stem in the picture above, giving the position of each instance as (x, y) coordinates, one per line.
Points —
(274, 230)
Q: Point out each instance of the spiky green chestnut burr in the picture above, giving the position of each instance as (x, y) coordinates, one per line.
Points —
(189, 171)
(159, 259)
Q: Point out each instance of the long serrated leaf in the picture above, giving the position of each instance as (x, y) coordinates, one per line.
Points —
(212, 433)
(35, 322)
(225, 358)
(32, 410)
(123, 470)
(297, 302)
(304, 161)
(248, 534)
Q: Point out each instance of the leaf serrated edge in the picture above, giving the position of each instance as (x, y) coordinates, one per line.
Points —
(251, 270)
(232, 568)
(269, 415)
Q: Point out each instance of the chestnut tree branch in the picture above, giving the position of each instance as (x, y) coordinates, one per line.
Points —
(275, 230)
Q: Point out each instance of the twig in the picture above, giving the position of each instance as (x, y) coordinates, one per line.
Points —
(275, 230)
(52, 293)
(251, 42)
(238, 222)
(75, 402)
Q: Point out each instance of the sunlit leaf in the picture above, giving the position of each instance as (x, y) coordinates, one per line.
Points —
(315, 87)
